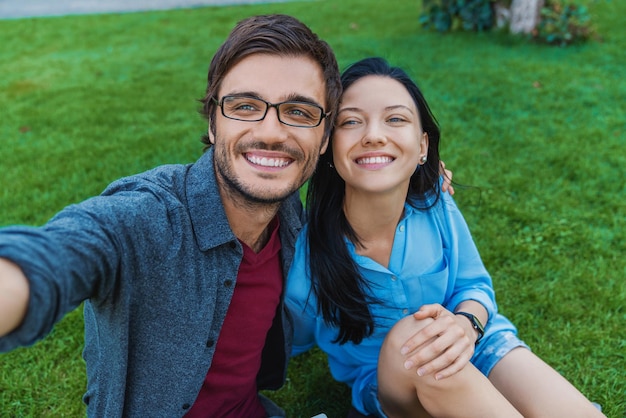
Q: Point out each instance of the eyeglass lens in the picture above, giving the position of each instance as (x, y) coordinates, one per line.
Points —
(254, 109)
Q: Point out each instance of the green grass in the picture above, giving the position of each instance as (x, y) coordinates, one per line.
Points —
(537, 133)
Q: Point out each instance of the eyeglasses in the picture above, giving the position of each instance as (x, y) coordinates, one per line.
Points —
(253, 109)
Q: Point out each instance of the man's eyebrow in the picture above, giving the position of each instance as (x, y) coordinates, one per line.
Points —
(292, 97)
(243, 93)
(296, 97)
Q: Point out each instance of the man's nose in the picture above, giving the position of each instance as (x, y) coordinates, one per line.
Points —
(270, 128)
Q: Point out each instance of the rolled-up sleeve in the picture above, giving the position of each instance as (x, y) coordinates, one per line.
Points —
(471, 279)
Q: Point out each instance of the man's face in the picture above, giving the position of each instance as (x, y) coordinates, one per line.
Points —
(266, 161)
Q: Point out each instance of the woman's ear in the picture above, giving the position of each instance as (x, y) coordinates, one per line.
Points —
(424, 144)
(324, 146)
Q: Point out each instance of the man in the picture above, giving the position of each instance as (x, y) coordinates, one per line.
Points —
(181, 268)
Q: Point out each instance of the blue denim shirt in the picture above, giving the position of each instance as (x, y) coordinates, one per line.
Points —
(155, 261)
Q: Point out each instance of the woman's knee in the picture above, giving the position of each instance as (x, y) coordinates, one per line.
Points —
(404, 329)
(397, 385)
(402, 389)
(391, 360)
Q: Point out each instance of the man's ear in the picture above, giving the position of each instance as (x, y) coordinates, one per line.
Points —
(210, 135)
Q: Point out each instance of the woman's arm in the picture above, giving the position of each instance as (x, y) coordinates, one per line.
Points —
(474, 308)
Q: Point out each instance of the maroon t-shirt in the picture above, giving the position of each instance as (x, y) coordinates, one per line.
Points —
(229, 389)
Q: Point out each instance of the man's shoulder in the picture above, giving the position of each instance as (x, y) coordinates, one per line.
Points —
(169, 177)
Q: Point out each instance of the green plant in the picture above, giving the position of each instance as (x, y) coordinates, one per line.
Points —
(563, 24)
(559, 24)
(445, 15)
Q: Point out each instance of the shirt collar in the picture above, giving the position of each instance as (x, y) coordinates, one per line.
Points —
(208, 217)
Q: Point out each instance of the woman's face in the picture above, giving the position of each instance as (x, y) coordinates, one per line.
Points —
(378, 139)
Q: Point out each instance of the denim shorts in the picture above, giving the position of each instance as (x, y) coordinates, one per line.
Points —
(500, 339)
(495, 346)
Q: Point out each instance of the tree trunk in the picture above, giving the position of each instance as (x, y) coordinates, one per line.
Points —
(524, 15)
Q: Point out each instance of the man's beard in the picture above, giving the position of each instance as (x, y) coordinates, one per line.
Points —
(245, 194)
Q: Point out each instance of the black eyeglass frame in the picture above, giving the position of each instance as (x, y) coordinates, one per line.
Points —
(323, 113)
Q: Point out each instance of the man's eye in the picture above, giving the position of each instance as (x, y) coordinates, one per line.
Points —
(298, 111)
(244, 106)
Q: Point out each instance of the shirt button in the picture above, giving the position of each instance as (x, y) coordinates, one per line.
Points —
(405, 311)
(401, 228)
(394, 278)
(232, 244)
(186, 406)
(228, 283)
(210, 343)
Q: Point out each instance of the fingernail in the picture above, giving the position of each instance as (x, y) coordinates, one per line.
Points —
(408, 364)
(404, 350)
(421, 372)
(437, 377)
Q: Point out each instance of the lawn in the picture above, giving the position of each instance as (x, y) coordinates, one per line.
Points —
(535, 135)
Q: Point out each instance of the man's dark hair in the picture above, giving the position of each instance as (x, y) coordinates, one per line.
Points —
(275, 34)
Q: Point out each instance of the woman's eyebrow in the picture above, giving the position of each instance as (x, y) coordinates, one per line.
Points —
(349, 109)
(388, 108)
(394, 107)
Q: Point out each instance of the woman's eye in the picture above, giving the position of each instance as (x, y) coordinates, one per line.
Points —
(348, 122)
(396, 119)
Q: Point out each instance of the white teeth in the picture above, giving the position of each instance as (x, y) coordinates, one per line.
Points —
(268, 162)
(374, 160)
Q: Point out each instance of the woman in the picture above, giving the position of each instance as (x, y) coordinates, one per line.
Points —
(383, 242)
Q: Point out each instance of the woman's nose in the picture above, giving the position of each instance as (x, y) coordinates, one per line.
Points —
(374, 135)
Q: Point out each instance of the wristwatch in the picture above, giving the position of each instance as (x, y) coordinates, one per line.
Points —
(475, 324)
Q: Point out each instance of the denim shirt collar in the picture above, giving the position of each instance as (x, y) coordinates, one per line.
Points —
(210, 224)
(208, 217)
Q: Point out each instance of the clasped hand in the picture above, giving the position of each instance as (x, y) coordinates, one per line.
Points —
(443, 347)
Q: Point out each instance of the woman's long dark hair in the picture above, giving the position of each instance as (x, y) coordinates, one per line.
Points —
(337, 283)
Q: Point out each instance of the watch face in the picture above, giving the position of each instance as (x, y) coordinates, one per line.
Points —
(475, 322)
(478, 324)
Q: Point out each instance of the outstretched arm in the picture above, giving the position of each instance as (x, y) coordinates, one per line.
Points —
(14, 292)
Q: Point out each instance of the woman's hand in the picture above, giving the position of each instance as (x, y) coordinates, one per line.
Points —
(441, 348)
(447, 178)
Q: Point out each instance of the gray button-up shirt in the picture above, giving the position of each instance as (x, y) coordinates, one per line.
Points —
(156, 262)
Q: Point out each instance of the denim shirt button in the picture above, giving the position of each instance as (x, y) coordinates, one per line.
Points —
(186, 406)
(210, 343)
(228, 283)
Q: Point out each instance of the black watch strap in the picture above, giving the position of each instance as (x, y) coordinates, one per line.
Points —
(475, 324)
